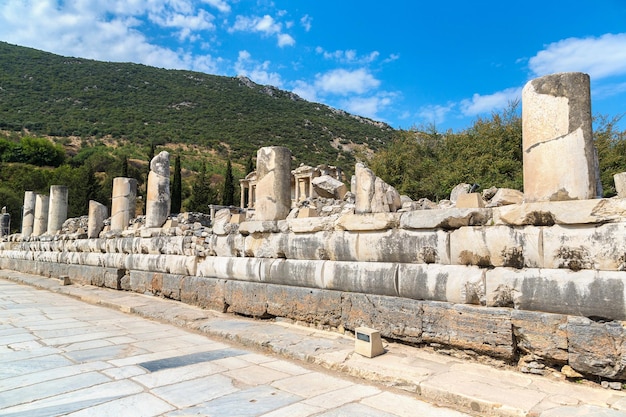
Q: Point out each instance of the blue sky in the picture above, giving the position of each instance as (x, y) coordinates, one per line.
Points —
(406, 62)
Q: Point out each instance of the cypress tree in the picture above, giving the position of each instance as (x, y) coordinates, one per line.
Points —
(228, 193)
(177, 187)
(202, 193)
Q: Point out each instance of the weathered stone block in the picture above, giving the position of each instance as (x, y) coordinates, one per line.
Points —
(541, 334)
(242, 269)
(365, 277)
(484, 330)
(203, 292)
(308, 245)
(582, 247)
(368, 221)
(170, 286)
(618, 179)
(452, 283)
(265, 245)
(496, 246)
(449, 218)
(246, 298)
(311, 224)
(597, 348)
(305, 304)
(583, 293)
(562, 212)
(470, 200)
(299, 273)
(405, 246)
(395, 318)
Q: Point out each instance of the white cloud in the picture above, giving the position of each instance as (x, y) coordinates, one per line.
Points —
(306, 22)
(265, 25)
(220, 5)
(366, 106)
(600, 57)
(349, 56)
(107, 31)
(285, 40)
(187, 23)
(480, 104)
(341, 81)
(435, 113)
(256, 71)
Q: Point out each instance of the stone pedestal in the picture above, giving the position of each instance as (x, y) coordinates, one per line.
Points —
(28, 214)
(41, 214)
(57, 208)
(97, 214)
(560, 162)
(273, 188)
(123, 202)
(158, 192)
(620, 184)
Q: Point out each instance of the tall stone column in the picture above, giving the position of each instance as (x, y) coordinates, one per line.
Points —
(123, 202)
(57, 208)
(97, 214)
(41, 214)
(560, 162)
(28, 214)
(158, 202)
(273, 187)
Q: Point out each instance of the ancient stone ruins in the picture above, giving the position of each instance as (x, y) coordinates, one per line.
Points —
(536, 279)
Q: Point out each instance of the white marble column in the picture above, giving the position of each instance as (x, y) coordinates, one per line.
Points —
(57, 208)
(28, 214)
(273, 187)
(123, 202)
(560, 161)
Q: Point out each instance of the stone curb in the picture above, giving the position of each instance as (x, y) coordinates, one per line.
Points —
(442, 380)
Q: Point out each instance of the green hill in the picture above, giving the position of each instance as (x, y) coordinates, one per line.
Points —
(51, 95)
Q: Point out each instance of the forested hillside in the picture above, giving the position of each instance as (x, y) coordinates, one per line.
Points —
(57, 96)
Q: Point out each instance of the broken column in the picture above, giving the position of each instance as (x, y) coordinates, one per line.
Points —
(97, 214)
(158, 191)
(57, 208)
(28, 213)
(5, 222)
(372, 194)
(123, 202)
(41, 214)
(273, 188)
(560, 162)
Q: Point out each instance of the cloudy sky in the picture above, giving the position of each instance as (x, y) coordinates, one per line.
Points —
(405, 62)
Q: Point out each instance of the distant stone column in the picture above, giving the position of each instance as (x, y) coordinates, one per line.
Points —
(123, 202)
(41, 214)
(273, 187)
(158, 202)
(28, 214)
(560, 162)
(97, 214)
(5, 222)
(57, 208)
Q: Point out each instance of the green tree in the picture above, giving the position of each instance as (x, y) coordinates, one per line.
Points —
(202, 193)
(228, 192)
(177, 186)
(611, 146)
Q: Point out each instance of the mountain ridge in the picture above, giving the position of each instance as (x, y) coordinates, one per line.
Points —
(58, 96)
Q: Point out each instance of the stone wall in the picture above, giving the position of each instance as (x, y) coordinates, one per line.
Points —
(538, 280)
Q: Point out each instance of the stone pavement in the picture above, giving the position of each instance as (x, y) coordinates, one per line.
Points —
(60, 356)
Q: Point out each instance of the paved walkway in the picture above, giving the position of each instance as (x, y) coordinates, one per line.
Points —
(71, 356)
